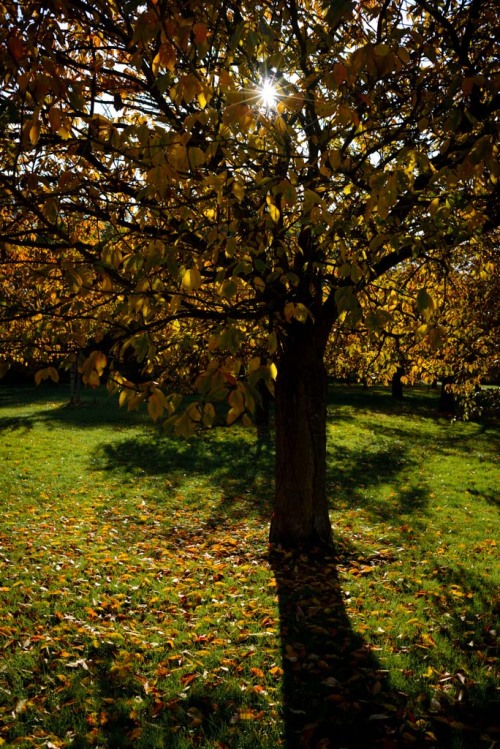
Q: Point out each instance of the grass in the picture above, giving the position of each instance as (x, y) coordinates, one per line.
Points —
(140, 607)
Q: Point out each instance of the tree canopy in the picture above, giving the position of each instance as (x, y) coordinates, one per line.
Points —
(437, 321)
(212, 186)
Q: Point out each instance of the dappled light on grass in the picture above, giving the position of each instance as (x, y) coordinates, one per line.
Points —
(140, 607)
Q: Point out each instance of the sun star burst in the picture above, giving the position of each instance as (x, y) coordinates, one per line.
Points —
(268, 94)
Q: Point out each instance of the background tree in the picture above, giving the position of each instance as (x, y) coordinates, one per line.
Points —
(249, 172)
(431, 323)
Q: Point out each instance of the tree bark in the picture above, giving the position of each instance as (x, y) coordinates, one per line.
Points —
(396, 384)
(75, 384)
(301, 509)
(447, 403)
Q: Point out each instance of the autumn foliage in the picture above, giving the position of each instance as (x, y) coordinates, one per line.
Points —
(155, 210)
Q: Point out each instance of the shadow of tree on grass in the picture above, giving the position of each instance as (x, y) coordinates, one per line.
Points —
(335, 693)
(354, 473)
(16, 424)
(239, 470)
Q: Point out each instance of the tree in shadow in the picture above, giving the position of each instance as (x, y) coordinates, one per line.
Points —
(335, 694)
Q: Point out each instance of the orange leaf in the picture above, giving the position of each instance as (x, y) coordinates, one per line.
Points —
(251, 715)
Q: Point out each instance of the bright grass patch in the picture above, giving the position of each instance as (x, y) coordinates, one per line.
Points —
(140, 607)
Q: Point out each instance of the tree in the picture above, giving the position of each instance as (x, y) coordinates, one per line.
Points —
(249, 172)
(433, 322)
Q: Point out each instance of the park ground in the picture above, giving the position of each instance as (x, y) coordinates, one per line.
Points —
(141, 605)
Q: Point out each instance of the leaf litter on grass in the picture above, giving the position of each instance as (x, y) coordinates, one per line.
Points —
(138, 611)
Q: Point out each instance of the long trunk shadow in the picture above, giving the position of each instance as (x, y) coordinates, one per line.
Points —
(335, 694)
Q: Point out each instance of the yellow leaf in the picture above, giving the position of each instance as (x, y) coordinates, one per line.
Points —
(177, 155)
(274, 213)
(425, 303)
(238, 191)
(254, 363)
(193, 411)
(156, 406)
(294, 102)
(272, 343)
(289, 311)
(436, 336)
(208, 415)
(184, 426)
(191, 279)
(259, 284)
(280, 125)
(40, 375)
(53, 374)
(92, 379)
(99, 362)
(196, 157)
(228, 288)
(301, 313)
(236, 400)
(232, 415)
(356, 273)
(310, 199)
(155, 65)
(273, 371)
(74, 280)
(34, 133)
(251, 715)
(404, 55)
(434, 207)
(64, 133)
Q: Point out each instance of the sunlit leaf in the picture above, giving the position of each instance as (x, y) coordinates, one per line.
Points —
(191, 280)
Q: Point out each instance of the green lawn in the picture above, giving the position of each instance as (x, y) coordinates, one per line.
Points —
(140, 606)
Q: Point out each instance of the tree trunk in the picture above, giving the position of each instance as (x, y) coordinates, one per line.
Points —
(447, 403)
(396, 384)
(75, 383)
(301, 508)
